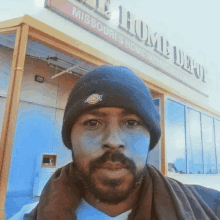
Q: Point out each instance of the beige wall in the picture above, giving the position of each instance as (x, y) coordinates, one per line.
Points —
(53, 92)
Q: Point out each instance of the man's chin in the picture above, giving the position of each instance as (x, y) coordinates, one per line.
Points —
(109, 188)
(111, 195)
(111, 191)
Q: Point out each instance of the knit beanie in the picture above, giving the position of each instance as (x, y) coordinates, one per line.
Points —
(111, 86)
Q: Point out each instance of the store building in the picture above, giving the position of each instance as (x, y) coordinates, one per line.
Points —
(41, 57)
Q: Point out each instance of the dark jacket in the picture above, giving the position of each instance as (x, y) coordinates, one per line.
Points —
(160, 197)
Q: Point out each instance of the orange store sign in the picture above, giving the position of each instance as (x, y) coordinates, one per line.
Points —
(136, 28)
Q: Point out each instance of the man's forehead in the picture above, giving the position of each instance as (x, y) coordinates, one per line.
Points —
(105, 111)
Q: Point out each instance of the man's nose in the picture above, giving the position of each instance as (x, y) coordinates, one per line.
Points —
(113, 139)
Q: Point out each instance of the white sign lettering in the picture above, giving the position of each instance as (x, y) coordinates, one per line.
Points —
(143, 33)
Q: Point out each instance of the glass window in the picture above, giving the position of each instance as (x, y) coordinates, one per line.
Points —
(176, 137)
(209, 155)
(217, 139)
(194, 151)
(192, 141)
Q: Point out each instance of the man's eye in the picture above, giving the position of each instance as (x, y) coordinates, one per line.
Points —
(132, 123)
(92, 123)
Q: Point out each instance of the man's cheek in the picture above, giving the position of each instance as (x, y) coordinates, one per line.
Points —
(91, 144)
(138, 148)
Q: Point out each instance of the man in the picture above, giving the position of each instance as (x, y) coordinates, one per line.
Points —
(110, 124)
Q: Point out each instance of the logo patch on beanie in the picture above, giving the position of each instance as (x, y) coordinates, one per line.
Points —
(93, 99)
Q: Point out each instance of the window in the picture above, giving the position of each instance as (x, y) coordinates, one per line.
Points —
(192, 140)
(209, 154)
(176, 137)
(194, 150)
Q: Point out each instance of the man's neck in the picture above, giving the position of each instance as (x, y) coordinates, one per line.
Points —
(113, 210)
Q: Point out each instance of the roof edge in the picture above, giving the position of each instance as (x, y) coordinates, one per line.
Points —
(12, 22)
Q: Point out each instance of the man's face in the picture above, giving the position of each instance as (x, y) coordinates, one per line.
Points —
(110, 147)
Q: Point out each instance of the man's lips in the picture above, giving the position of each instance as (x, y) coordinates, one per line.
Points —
(114, 174)
(112, 166)
(113, 170)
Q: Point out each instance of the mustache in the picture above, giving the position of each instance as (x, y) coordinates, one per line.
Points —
(113, 157)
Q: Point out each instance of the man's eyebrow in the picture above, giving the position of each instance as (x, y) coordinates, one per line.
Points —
(96, 113)
(126, 113)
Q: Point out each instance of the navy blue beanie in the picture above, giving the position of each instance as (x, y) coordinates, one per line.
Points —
(111, 86)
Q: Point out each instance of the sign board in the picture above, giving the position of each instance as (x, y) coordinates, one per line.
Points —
(137, 40)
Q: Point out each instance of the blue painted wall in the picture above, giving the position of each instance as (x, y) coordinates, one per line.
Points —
(34, 136)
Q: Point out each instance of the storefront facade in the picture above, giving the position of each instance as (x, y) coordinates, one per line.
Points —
(42, 56)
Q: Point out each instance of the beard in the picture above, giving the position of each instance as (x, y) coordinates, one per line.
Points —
(110, 191)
